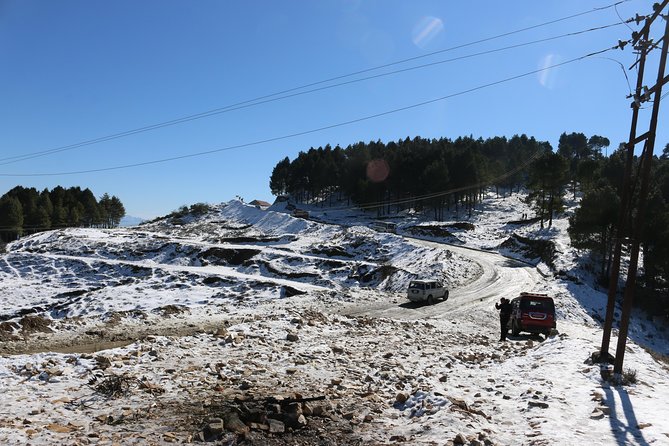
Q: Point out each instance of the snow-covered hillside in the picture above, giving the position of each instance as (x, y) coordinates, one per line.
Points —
(244, 323)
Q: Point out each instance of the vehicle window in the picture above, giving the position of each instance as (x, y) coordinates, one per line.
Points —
(417, 285)
(537, 305)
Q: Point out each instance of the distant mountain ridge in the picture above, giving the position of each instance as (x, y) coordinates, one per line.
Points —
(129, 220)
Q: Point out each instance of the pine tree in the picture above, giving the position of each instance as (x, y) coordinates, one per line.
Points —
(11, 218)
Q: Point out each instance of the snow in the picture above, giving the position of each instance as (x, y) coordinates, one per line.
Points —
(202, 310)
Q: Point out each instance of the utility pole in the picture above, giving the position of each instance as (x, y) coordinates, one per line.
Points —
(604, 355)
(645, 46)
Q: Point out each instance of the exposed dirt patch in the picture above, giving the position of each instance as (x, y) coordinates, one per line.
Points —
(331, 251)
(289, 291)
(430, 231)
(288, 275)
(116, 317)
(215, 280)
(171, 310)
(7, 330)
(35, 324)
(246, 239)
(527, 221)
(463, 226)
(230, 256)
(532, 249)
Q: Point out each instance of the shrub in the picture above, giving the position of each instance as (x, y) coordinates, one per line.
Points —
(199, 209)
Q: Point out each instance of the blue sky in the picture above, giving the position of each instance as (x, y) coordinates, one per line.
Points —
(77, 70)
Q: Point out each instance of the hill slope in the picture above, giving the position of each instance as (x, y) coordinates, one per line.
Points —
(242, 312)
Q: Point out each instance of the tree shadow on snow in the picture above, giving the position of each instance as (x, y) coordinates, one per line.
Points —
(623, 425)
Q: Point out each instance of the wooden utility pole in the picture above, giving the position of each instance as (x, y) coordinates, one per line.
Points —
(641, 43)
(604, 355)
(638, 223)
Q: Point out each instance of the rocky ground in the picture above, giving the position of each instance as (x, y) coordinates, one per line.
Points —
(293, 376)
(247, 335)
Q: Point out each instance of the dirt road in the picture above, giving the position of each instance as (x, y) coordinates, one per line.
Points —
(501, 277)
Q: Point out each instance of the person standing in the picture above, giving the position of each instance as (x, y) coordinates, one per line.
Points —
(504, 307)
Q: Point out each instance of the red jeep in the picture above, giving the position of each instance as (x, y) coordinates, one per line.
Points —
(532, 313)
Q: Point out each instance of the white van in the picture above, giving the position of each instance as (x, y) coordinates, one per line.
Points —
(384, 226)
(426, 290)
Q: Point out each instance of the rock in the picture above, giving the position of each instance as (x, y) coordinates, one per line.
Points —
(234, 424)
(596, 415)
(215, 421)
(102, 362)
(318, 410)
(460, 439)
(443, 378)
(307, 409)
(605, 410)
(597, 395)
(401, 398)
(537, 404)
(276, 426)
(213, 429)
(221, 332)
(292, 337)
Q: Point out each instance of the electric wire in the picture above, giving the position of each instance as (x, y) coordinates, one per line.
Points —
(615, 7)
(16, 159)
(443, 193)
(315, 130)
(266, 98)
(622, 67)
(537, 153)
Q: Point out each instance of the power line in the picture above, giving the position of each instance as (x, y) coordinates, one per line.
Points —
(319, 129)
(373, 205)
(16, 159)
(266, 98)
(443, 193)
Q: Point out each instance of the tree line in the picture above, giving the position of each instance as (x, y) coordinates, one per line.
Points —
(594, 225)
(438, 175)
(434, 175)
(26, 211)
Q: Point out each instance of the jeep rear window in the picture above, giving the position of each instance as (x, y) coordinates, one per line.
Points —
(420, 286)
(537, 305)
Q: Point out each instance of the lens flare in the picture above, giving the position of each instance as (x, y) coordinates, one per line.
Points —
(426, 30)
(378, 170)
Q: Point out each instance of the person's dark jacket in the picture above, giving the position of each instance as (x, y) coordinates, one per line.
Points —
(504, 309)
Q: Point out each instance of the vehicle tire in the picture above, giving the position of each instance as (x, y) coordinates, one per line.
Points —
(430, 300)
(515, 329)
(446, 296)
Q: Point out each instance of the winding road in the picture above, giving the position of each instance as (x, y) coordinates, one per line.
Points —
(501, 277)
